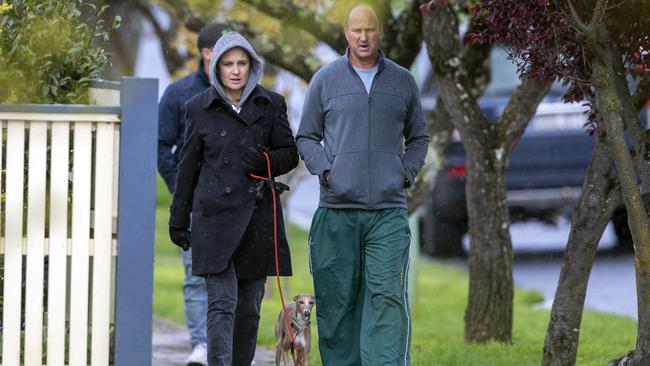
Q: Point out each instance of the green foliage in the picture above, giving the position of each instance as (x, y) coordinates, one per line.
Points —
(168, 266)
(111, 345)
(50, 49)
(438, 328)
(2, 279)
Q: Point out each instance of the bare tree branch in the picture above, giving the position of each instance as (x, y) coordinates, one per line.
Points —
(403, 36)
(282, 55)
(520, 109)
(475, 57)
(185, 15)
(642, 93)
(123, 44)
(289, 57)
(420, 193)
(597, 16)
(173, 59)
(384, 8)
(577, 21)
(444, 46)
(594, 31)
(302, 18)
(599, 13)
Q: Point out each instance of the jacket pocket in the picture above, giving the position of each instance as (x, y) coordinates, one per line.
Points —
(349, 178)
(388, 178)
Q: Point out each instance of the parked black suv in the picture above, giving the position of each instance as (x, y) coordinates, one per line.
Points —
(545, 170)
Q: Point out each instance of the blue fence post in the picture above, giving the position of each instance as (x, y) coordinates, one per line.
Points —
(136, 221)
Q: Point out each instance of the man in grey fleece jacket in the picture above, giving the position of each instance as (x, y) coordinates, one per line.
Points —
(363, 133)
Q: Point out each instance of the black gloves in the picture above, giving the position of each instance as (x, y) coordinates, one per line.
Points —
(180, 237)
(253, 161)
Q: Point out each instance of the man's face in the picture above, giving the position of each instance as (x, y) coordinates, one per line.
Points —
(206, 54)
(363, 34)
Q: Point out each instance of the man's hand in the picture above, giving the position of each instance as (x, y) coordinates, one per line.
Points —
(326, 177)
(180, 237)
(253, 161)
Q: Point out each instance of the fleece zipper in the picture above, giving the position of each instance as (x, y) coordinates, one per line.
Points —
(371, 168)
(369, 94)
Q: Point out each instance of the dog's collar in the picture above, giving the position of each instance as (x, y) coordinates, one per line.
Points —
(300, 325)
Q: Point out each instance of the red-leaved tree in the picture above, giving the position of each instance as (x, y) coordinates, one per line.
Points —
(595, 47)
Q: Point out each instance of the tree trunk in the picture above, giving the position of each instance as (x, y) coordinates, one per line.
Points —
(641, 355)
(489, 309)
(440, 129)
(402, 38)
(124, 41)
(610, 108)
(562, 336)
(476, 59)
(598, 199)
(634, 127)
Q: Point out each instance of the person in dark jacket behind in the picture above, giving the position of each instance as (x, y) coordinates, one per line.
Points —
(229, 125)
(363, 133)
(171, 132)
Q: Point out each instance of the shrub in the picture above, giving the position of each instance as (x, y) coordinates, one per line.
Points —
(51, 49)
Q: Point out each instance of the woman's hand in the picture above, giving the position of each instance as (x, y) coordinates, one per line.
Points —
(180, 237)
(253, 161)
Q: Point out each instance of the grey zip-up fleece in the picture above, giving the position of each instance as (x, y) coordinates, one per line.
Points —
(225, 43)
(373, 143)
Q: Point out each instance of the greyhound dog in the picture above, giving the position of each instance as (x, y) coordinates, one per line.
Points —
(298, 311)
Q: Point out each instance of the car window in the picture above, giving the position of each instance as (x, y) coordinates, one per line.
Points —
(503, 82)
(504, 75)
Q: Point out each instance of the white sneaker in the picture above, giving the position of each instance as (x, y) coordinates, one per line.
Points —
(199, 356)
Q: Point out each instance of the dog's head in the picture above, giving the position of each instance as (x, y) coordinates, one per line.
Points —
(304, 304)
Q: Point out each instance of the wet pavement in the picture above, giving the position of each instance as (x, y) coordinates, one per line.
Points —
(171, 346)
(538, 253)
(611, 287)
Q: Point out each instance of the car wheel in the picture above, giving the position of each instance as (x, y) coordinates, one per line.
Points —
(447, 238)
(622, 230)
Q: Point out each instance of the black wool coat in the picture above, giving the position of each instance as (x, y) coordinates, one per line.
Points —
(228, 223)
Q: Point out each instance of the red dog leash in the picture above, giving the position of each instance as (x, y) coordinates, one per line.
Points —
(277, 261)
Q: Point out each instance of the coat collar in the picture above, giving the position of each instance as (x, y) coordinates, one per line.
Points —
(250, 111)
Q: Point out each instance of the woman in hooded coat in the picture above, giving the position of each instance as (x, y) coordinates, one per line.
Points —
(228, 127)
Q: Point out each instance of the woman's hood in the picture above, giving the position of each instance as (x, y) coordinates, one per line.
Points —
(227, 42)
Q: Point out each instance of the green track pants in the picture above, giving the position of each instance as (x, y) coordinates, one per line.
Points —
(359, 261)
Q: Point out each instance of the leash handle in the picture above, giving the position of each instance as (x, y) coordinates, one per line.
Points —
(277, 260)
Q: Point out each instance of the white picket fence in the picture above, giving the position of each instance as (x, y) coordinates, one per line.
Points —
(58, 237)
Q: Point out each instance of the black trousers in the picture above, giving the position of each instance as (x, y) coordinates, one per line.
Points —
(233, 317)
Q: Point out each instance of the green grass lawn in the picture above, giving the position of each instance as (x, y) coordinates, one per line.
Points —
(437, 311)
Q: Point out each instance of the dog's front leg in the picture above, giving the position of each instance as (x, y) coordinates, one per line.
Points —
(285, 358)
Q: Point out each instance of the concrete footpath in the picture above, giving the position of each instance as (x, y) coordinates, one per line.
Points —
(171, 346)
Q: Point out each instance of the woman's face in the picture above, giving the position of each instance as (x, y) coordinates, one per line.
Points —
(234, 67)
